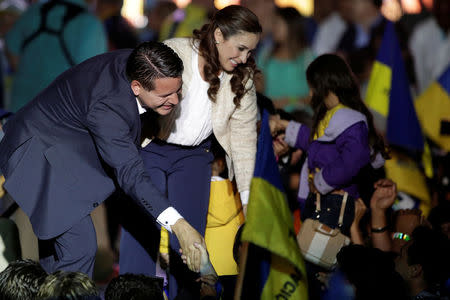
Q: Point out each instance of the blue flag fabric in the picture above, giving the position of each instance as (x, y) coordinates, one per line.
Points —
(389, 94)
(403, 127)
(275, 267)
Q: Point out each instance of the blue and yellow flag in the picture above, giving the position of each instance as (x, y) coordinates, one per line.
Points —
(280, 270)
(388, 93)
(433, 110)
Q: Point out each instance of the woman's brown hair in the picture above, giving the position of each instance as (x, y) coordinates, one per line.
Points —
(231, 20)
(330, 73)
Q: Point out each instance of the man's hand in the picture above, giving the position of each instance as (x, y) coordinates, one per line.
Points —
(188, 236)
(384, 195)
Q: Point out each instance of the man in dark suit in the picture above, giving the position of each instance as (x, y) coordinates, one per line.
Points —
(68, 149)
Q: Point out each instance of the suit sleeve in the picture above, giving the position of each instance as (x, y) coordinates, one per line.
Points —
(111, 134)
(354, 153)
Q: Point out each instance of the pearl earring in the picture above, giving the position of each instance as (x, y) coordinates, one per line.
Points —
(217, 42)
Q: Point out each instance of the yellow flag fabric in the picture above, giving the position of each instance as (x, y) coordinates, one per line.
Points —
(283, 281)
(225, 216)
(409, 179)
(378, 90)
(433, 107)
(269, 225)
(269, 222)
(276, 261)
(192, 17)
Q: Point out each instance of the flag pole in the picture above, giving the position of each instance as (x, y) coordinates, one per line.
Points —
(241, 275)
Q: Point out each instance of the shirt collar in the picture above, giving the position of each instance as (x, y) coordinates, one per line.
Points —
(140, 108)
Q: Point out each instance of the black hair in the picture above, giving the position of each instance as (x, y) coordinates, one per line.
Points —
(153, 60)
(430, 249)
(372, 273)
(67, 285)
(135, 287)
(21, 280)
(330, 73)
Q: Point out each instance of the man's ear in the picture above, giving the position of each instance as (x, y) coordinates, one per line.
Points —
(136, 87)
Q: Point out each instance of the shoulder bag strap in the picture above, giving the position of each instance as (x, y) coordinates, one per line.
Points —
(317, 202)
(341, 214)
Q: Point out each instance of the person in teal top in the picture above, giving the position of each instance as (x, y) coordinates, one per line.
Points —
(284, 64)
(48, 39)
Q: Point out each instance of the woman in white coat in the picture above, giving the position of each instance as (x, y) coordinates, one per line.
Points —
(218, 100)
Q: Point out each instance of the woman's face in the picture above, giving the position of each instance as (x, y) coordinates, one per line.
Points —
(236, 49)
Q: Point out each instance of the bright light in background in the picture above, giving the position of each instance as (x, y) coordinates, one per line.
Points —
(305, 7)
(133, 10)
(428, 3)
(219, 4)
(411, 6)
(182, 3)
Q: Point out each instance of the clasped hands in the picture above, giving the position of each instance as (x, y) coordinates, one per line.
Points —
(277, 125)
(188, 237)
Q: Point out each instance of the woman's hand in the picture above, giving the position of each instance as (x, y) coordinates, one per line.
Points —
(277, 125)
(273, 124)
(280, 147)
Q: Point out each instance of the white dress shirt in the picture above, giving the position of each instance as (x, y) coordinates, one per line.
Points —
(193, 124)
(170, 215)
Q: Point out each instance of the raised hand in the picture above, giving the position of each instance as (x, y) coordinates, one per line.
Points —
(384, 195)
(360, 210)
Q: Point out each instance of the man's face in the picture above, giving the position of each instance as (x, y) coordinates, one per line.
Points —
(401, 262)
(163, 98)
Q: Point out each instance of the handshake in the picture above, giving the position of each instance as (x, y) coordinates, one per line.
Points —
(193, 248)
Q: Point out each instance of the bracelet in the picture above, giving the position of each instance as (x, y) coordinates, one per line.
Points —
(379, 229)
(401, 236)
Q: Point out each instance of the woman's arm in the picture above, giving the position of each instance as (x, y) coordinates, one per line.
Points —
(243, 140)
(296, 134)
(355, 232)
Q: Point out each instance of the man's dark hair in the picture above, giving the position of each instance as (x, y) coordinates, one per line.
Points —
(67, 285)
(372, 273)
(134, 287)
(153, 60)
(21, 280)
(430, 248)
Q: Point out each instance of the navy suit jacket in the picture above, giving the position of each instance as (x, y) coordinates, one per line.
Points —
(67, 150)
